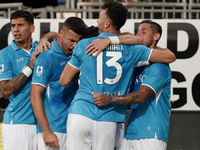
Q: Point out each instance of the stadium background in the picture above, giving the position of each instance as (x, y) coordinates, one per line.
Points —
(180, 34)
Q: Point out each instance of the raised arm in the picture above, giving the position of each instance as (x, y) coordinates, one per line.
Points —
(100, 44)
(163, 56)
(8, 87)
(45, 41)
(68, 75)
(129, 39)
(50, 139)
(129, 99)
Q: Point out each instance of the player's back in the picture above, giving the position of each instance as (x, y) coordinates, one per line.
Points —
(109, 73)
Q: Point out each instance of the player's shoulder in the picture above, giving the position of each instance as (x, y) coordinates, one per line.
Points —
(7, 48)
(7, 51)
(45, 56)
(160, 65)
(137, 47)
(160, 68)
(86, 41)
(34, 44)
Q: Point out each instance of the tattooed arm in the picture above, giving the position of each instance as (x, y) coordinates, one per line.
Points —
(129, 99)
(8, 87)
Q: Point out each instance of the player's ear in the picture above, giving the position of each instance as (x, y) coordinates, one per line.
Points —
(61, 33)
(32, 28)
(156, 36)
(107, 23)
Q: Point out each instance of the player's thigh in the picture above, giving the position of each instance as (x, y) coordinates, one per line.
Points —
(150, 144)
(104, 135)
(20, 136)
(62, 137)
(79, 132)
(144, 144)
(153, 144)
(62, 140)
(119, 135)
(127, 145)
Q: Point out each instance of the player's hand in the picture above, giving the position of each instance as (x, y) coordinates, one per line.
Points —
(97, 45)
(50, 139)
(33, 58)
(101, 99)
(43, 44)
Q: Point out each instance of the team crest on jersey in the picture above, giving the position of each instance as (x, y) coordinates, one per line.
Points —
(39, 70)
(1, 67)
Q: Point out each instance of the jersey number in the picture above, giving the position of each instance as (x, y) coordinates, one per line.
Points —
(111, 62)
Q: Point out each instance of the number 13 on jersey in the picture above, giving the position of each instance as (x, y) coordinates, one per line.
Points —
(112, 62)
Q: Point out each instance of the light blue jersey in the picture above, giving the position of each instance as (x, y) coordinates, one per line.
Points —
(48, 68)
(110, 73)
(151, 118)
(13, 60)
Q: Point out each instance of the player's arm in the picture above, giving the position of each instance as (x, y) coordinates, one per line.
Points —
(100, 44)
(50, 139)
(129, 99)
(8, 87)
(68, 75)
(1, 89)
(163, 56)
(44, 41)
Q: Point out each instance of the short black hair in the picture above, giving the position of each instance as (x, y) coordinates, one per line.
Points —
(23, 14)
(116, 12)
(154, 26)
(75, 24)
(91, 31)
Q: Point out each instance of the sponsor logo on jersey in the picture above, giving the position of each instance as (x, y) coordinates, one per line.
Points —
(62, 63)
(1, 67)
(39, 69)
(20, 59)
(140, 78)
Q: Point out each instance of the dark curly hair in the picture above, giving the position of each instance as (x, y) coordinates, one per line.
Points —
(91, 32)
(116, 12)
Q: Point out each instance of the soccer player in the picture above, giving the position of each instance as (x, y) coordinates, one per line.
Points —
(90, 127)
(50, 101)
(148, 124)
(17, 62)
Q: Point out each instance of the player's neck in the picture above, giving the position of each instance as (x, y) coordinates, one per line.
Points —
(153, 45)
(24, 45)
(111, 30)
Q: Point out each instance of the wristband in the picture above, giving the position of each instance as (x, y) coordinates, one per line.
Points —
(27, 71)
(114, 39)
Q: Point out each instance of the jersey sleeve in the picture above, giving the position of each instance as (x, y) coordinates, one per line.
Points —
(78, 52)
(5, 67)
(158, 75)
(42, 69)
(141, 54)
